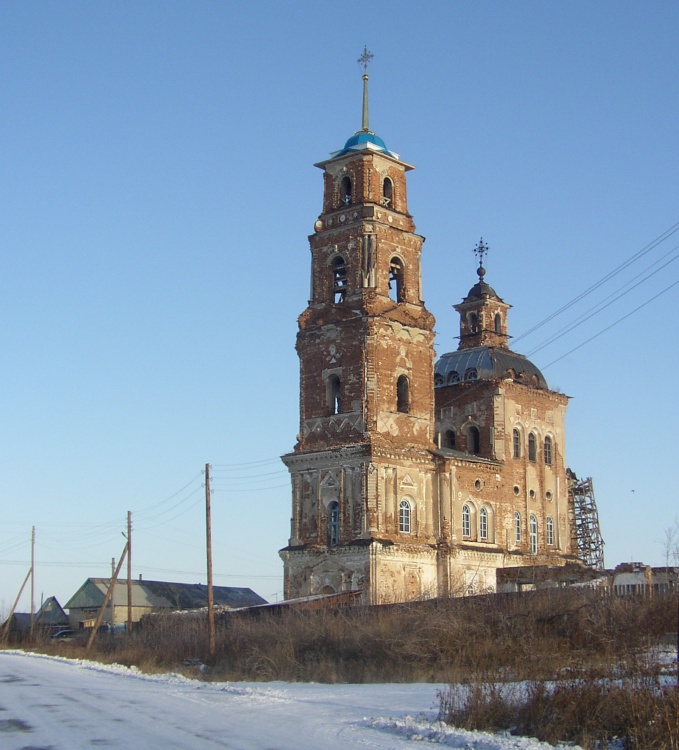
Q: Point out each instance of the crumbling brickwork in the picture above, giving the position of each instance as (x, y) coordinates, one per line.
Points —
(411, 478)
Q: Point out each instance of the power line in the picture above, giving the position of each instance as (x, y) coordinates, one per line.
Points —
(615, 323)
(651, 245)
(605, 303)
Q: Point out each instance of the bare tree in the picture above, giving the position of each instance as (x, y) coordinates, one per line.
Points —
(671, 544)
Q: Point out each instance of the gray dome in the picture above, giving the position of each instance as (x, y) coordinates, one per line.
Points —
(481, 290)
(486, 363)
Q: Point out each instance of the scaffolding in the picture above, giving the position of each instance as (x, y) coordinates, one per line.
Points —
(585, 532)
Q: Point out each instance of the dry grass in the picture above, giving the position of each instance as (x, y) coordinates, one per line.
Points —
(574, 638)
(590, 712)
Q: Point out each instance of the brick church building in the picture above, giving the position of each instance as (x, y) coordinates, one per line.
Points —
(411, 478)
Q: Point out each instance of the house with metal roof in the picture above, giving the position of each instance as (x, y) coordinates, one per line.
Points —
(148, 597)
(49, 619)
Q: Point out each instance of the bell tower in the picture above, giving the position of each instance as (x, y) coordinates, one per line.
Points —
(362, 469)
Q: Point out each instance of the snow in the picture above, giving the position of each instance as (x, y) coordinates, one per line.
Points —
(53, 703)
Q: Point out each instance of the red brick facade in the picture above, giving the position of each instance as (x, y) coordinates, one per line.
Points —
(405, 482)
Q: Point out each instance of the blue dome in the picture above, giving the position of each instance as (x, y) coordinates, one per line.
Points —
(364, 140)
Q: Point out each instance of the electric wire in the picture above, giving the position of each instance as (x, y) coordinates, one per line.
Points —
(615, 323)
(646, 249)
(601, 306)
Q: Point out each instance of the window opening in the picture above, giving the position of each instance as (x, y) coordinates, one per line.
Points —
(517, 526)
(453, 377)
(402, 395)
(466, 521)
(550, 531)
(334, 394)
(387, 192)
(333, 525)
(473, 441)
(473, 323)
(533, 535)
(498, 323)
(532, 447)
(471, 374)
(516, 443)
(339, 279)
(548, 451)
(483, 523)
(345, 190)
(396, 289)
(404, 517)
(449, 439)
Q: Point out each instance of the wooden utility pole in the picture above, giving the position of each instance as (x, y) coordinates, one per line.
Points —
(210, 595)
(32, 619)
(14, 606)
(129, 572)
(107, 598)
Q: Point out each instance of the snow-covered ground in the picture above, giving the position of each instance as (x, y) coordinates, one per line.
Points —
(50, 703)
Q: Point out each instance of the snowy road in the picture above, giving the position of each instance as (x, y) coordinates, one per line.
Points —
(57, 704)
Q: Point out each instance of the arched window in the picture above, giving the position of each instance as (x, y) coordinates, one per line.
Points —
(404, 517)
(453, 377)
(473, 322)
(396, 288)
(517, 526)
(498, 323)
(473, 441)
(466, 521)
(333, 523)
(532, 447)
(483, 524)
(402, 394)
(334, 388)
(550, 531)
(387, 192)
(548, 451)
(533, 535)
(516, 443)
(471, 374)
(339, 279)
(345, 190)
(449, 439)
(438, 380)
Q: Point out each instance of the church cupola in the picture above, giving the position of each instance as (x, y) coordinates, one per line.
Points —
(483, 315)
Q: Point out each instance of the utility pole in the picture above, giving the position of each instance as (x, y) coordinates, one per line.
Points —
(14, 606)
(32, 579)
(107, 598)
(210, 596)
(129, 573)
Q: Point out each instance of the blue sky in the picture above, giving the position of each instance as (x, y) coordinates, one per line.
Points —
(156, 193)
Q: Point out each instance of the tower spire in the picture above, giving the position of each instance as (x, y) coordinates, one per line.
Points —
(363, 61)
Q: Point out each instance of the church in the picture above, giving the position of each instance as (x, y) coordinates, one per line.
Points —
(412, 477)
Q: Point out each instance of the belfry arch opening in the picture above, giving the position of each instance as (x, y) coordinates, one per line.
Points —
(396, 286)
(334, 394)
(387, 192)
(339, 279)
(345, 190)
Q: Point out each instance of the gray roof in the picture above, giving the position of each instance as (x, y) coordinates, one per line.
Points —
(161, 595)
(487, 363)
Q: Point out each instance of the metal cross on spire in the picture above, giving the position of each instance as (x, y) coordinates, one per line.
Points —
(480, 250)
(365, 58)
